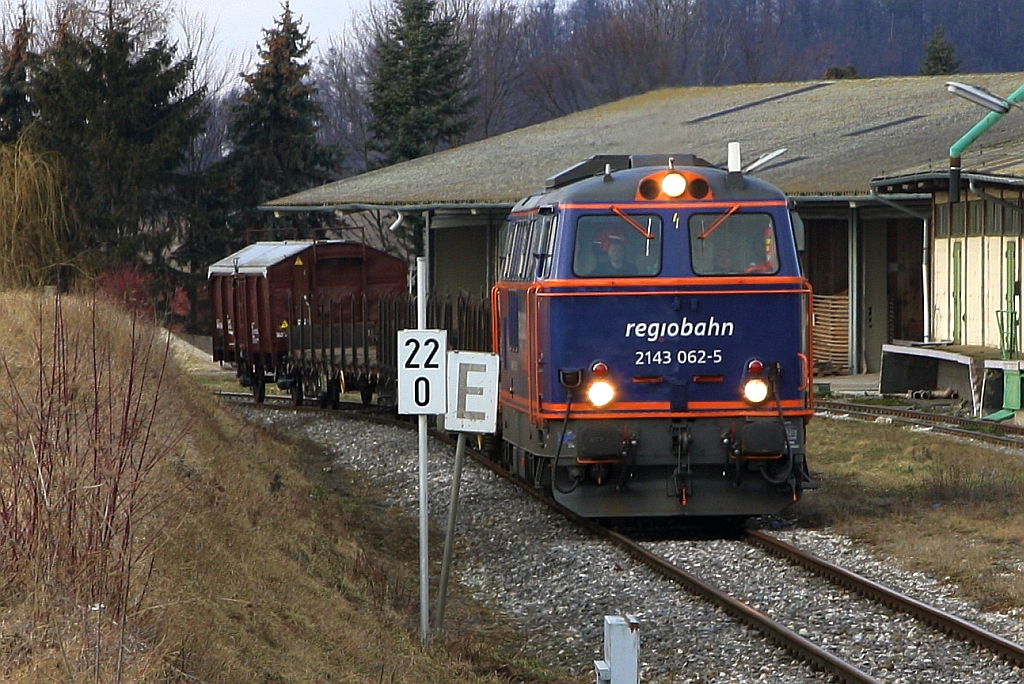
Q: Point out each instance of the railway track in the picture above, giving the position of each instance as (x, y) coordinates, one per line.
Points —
(985, 431)
(278, 401)
(944, 622)
(790, 638)
(784, 636)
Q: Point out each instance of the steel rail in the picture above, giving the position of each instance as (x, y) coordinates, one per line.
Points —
(924, 416)
(284, 401)
(941, 620)
(783, 636)
(973, 429)
(776, 632)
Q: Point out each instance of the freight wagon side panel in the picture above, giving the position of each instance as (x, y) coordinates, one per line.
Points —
(223, 332)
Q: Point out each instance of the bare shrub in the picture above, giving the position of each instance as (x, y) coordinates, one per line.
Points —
(80, 508)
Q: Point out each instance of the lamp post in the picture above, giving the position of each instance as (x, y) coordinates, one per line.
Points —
(998, 106)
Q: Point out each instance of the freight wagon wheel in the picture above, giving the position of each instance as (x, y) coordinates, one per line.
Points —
(334, 393)
(323, 393)
(259, 386)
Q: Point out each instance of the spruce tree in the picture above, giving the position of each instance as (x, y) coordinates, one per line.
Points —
(15, 107)
(273, 130)
(113, 108)
(939, 55)
(417, 94)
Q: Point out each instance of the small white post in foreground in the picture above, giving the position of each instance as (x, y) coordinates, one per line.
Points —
(621, 651)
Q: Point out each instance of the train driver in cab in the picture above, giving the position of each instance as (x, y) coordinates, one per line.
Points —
(605, 248)
(615, 253)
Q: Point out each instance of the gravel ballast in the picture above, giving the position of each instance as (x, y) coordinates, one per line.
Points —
(557, 583)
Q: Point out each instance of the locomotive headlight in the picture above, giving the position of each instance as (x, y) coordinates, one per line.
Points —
(755, 390)
(600, 393)
(673, 184)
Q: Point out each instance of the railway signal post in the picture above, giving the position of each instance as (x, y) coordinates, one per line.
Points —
(472, 407)
(422, 392)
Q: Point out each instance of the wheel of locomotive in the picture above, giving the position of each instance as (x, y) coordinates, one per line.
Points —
(296, 389)
(258, 384)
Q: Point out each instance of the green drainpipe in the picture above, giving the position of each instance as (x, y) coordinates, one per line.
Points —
(963, 143)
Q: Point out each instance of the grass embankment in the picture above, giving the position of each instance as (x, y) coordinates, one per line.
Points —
(149, 535)
(944, 506)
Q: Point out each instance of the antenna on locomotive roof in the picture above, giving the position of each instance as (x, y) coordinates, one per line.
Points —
(671, 163)
(764, 159)
(735, 178)
(734, 157)
(607, 173)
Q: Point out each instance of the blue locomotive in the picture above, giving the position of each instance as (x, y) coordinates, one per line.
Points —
(654, 335)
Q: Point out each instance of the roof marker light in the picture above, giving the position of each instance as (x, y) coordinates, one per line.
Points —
(673, 184)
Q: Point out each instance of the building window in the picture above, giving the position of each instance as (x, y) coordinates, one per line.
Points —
(941, 220)
(975, 218)
(993, 218)
(1012, 217)
(958, 220)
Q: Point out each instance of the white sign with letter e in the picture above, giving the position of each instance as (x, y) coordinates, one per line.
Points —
(421, 372)
(472, 392)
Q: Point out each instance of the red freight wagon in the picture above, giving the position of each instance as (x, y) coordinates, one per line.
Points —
(301, 314)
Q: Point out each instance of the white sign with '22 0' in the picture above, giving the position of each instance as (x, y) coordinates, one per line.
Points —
(422, 371)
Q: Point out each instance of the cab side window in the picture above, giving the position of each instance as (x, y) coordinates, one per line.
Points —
(527, 246)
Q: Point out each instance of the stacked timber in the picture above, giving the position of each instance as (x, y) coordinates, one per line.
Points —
(831, 334)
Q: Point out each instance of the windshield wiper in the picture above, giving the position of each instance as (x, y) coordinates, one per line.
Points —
(718, 222)
(633, 222)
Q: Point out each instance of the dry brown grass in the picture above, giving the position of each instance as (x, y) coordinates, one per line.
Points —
(33, 225)
(945, 506)
(259, 566)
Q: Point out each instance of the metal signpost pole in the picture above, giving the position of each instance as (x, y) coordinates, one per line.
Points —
(449, 538)
(422, 391)
(472, 407)
(421, 323)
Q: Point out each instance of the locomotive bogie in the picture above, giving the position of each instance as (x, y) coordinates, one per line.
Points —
(621, 459)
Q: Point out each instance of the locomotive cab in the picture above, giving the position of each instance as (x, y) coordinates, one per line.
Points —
(653, 328)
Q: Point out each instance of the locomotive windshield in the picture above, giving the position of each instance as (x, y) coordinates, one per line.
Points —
(731, 243)
(620, 245)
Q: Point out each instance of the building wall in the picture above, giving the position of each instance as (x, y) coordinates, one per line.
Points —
(983, 231)
(462, 250)
(942, 328)
(875, 310)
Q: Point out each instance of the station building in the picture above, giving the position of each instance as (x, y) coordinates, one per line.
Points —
(973, 263)
(861, 160)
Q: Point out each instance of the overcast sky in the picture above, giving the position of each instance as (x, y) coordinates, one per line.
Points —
(239, 23)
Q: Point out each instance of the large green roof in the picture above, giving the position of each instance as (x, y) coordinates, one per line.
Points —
(838, 134)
